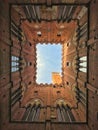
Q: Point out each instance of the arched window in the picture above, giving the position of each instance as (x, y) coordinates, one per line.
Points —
(16, 31)
(64, 113)
(32, 112)
(16, 96)
(14, 63)
(80, 96)
(83, 64)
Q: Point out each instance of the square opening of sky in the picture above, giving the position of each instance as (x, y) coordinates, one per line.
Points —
(49, 60)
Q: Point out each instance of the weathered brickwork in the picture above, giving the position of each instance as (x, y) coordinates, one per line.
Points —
(18, 89)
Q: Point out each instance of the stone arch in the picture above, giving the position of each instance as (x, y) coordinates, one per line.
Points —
(61, 101)
(35, 101)
(64, 111)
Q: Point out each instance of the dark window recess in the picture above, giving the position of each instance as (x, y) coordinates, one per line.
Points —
(35, 93)
(34, 77)
(30, 44)
(54, 86)
(39, 33)
(67, 83)
(58, 92)
(58, 34)
(67, 63)
(29, 82)
(68, 44)
(34, 65)
(30, 63)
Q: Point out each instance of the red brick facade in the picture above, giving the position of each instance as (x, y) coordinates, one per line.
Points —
(22, 83)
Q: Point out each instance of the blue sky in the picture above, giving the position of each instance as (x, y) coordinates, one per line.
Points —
(48, 61)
